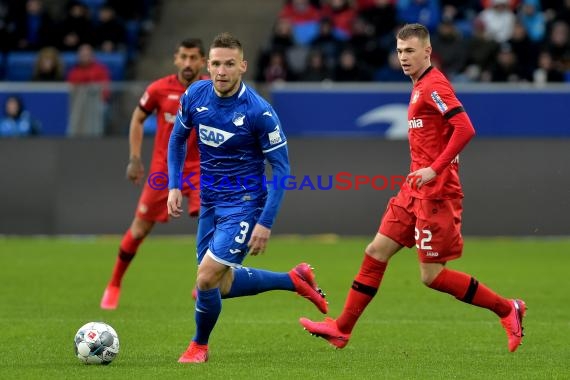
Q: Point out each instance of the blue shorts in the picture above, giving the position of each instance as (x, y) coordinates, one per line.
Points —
(224, 231)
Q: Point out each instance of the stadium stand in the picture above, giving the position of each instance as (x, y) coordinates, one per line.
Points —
(528, 28)
(20, 65)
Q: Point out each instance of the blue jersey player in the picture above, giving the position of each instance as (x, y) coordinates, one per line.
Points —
(238, 131)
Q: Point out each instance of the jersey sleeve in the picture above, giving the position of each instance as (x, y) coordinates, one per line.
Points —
(269, 131)
(444, 99)
(274, 146)
(149, 99)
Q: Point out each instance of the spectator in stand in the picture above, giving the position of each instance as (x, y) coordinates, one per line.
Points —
(33, 26)
(342, 15)
(17, 121)
(6, 27)
(562, 13)
(90, 95)
(365, 44)
(49, 66)
(546, 71)
(460, 10)
(449, 47)
(348, 69)
(316, 69)
(88, 70)
(499, 20)
(282, 37)
(277, 69)
(382, 17)
(525, 49)
(558, 45)
(326, 40)
(76, 28)
(531, 16)
(109, 33)
(506, 68)
(391, 71)
(481, 53)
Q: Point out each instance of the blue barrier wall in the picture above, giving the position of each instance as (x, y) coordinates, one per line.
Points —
(48, 103)
(381, 110)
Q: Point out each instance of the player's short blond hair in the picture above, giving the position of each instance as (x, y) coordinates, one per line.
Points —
(414, 30)
(226, 40)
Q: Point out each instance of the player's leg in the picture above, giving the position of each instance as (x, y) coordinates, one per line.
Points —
(396, 231)
(233, 236)
(128, 248)
(439, 240)
(208, 308)
(208, 301)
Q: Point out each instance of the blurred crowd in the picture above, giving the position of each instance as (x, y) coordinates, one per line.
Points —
(59, 27)
(473, 40)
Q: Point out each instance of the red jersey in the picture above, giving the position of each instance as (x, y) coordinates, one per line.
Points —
(163, 95)
(432, 104)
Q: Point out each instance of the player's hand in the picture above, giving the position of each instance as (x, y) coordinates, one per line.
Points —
(258, 240)
(135, 171)
(420, 177)
(174, 203)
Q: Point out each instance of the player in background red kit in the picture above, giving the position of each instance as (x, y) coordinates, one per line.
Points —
(427, 210)
(162, 96)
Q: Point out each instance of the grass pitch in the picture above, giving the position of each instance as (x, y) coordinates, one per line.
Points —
(52, 286)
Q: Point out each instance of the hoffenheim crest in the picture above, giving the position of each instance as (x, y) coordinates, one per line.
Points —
(238, 119)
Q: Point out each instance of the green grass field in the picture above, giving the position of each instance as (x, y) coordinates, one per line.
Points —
(52, 286)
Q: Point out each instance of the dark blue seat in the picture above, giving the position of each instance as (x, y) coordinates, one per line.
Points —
(20, 66)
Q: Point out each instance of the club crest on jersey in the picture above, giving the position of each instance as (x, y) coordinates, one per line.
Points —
(213, 136)
(439, 102)
(275, 136)
(238, 119)
(416, 96)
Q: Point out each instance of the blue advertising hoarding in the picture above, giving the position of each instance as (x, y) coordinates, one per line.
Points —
(381, 110)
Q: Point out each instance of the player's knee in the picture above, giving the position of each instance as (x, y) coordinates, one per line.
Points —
(206, 282)
(428, 273)
(140, 229)
(426, 279)
(377, 251)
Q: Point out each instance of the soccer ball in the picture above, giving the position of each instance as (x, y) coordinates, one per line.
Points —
(96, 343)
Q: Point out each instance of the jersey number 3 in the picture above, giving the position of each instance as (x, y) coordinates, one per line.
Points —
(242, 233)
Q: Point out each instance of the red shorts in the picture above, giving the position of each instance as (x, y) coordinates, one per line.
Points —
(152, 203)
(434, 226)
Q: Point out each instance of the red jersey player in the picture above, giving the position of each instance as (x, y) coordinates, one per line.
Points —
(163, 97)
(427, 210)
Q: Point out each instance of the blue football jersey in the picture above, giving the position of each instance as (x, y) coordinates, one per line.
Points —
(235, 134)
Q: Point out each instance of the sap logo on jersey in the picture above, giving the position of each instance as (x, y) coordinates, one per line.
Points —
(213, 136)
(415, 123)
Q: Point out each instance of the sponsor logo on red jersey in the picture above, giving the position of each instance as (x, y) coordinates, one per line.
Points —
(415, 123)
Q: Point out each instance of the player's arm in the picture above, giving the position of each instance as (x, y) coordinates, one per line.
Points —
(279, 161)
(135, 168)
(176, 156)
(463, 132)
(274, 146)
